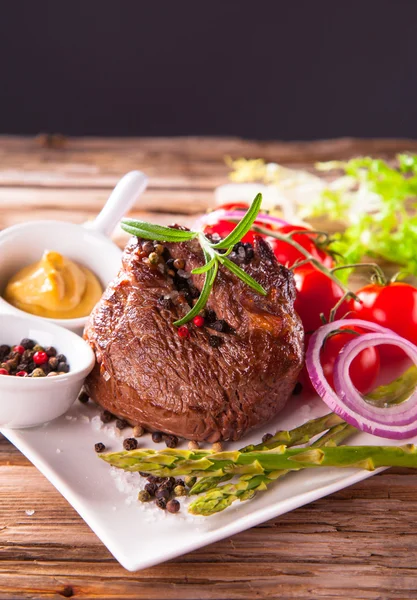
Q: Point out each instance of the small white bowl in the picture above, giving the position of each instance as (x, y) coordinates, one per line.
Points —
(87, 244)
(30, 401)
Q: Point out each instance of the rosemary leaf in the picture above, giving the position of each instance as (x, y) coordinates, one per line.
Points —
(202, 300)
(250, 281)
(151, 231)
(241, 228)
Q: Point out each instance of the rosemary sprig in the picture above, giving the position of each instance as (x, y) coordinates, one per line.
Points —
(215, 254)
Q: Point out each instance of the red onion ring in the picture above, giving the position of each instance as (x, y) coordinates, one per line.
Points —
(391, 427)
(401, 414)
(216, 215)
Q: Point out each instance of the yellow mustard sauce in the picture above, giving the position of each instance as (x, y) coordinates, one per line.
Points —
(55, 287)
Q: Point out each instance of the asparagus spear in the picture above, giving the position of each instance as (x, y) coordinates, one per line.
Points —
(173, 462)
(299, 435)
(246, 488)
(292, 437)
(395, 392)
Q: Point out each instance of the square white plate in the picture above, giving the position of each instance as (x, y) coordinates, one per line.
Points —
(141, 535)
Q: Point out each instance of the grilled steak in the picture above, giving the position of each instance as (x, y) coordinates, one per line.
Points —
(234, 373)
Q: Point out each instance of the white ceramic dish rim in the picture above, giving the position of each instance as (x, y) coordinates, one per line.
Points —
(78, 322)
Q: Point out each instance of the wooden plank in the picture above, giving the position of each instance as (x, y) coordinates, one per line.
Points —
(321, 549)
(174, 163)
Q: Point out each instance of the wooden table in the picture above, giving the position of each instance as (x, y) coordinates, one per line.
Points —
(359, 543)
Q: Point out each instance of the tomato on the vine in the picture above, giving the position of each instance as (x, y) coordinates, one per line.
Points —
(393, 306)
(364, 368)
(316, 294)
(288, 255)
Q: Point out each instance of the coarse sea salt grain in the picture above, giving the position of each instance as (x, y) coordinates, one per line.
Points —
(96, 423)
(130, 484)
(29, 512)
(58, 450)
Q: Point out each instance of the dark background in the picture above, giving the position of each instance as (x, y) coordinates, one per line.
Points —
(300, 69)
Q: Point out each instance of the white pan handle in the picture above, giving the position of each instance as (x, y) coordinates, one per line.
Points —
(122, 198)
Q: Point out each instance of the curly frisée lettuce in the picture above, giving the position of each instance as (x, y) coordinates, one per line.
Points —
(384, 222)
(376, 202)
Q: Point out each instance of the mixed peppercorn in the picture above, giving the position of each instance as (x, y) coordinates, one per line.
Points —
(159, 257)
(164, 491)
(29, 359)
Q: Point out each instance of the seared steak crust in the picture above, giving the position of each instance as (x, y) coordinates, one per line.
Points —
(196, 388)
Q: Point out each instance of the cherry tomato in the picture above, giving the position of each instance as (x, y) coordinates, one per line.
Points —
(288, 255)
(393, 306)
(364, 368)
(316, 294)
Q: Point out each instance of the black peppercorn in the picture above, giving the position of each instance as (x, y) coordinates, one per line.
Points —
(4, 351)
(171, 441)
(267, 437)
(62, 367)
(219, 325)
(215, 341)
(160, 503)
(210, 315)
(151, 488)
(121, 424)
(61, 358)
(165, 302)
(193, 291)
(27, 343)
(83, 397)
(162, 492)
(53, 362)
(50, 351)
(130, 444)
(159, 480)
(106, 416)
(99, 447)
(173, 506)
(157, 437)
(250, 253)
(28, 355)
(168, 484)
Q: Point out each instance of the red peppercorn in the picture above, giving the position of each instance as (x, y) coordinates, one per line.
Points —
(39, 358)
(21, 374)
(198, 321)
(4, 372)
(183, 332)
(18, 349)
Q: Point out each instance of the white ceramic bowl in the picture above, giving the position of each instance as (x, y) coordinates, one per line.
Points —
(87, 244)
(27, 401)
